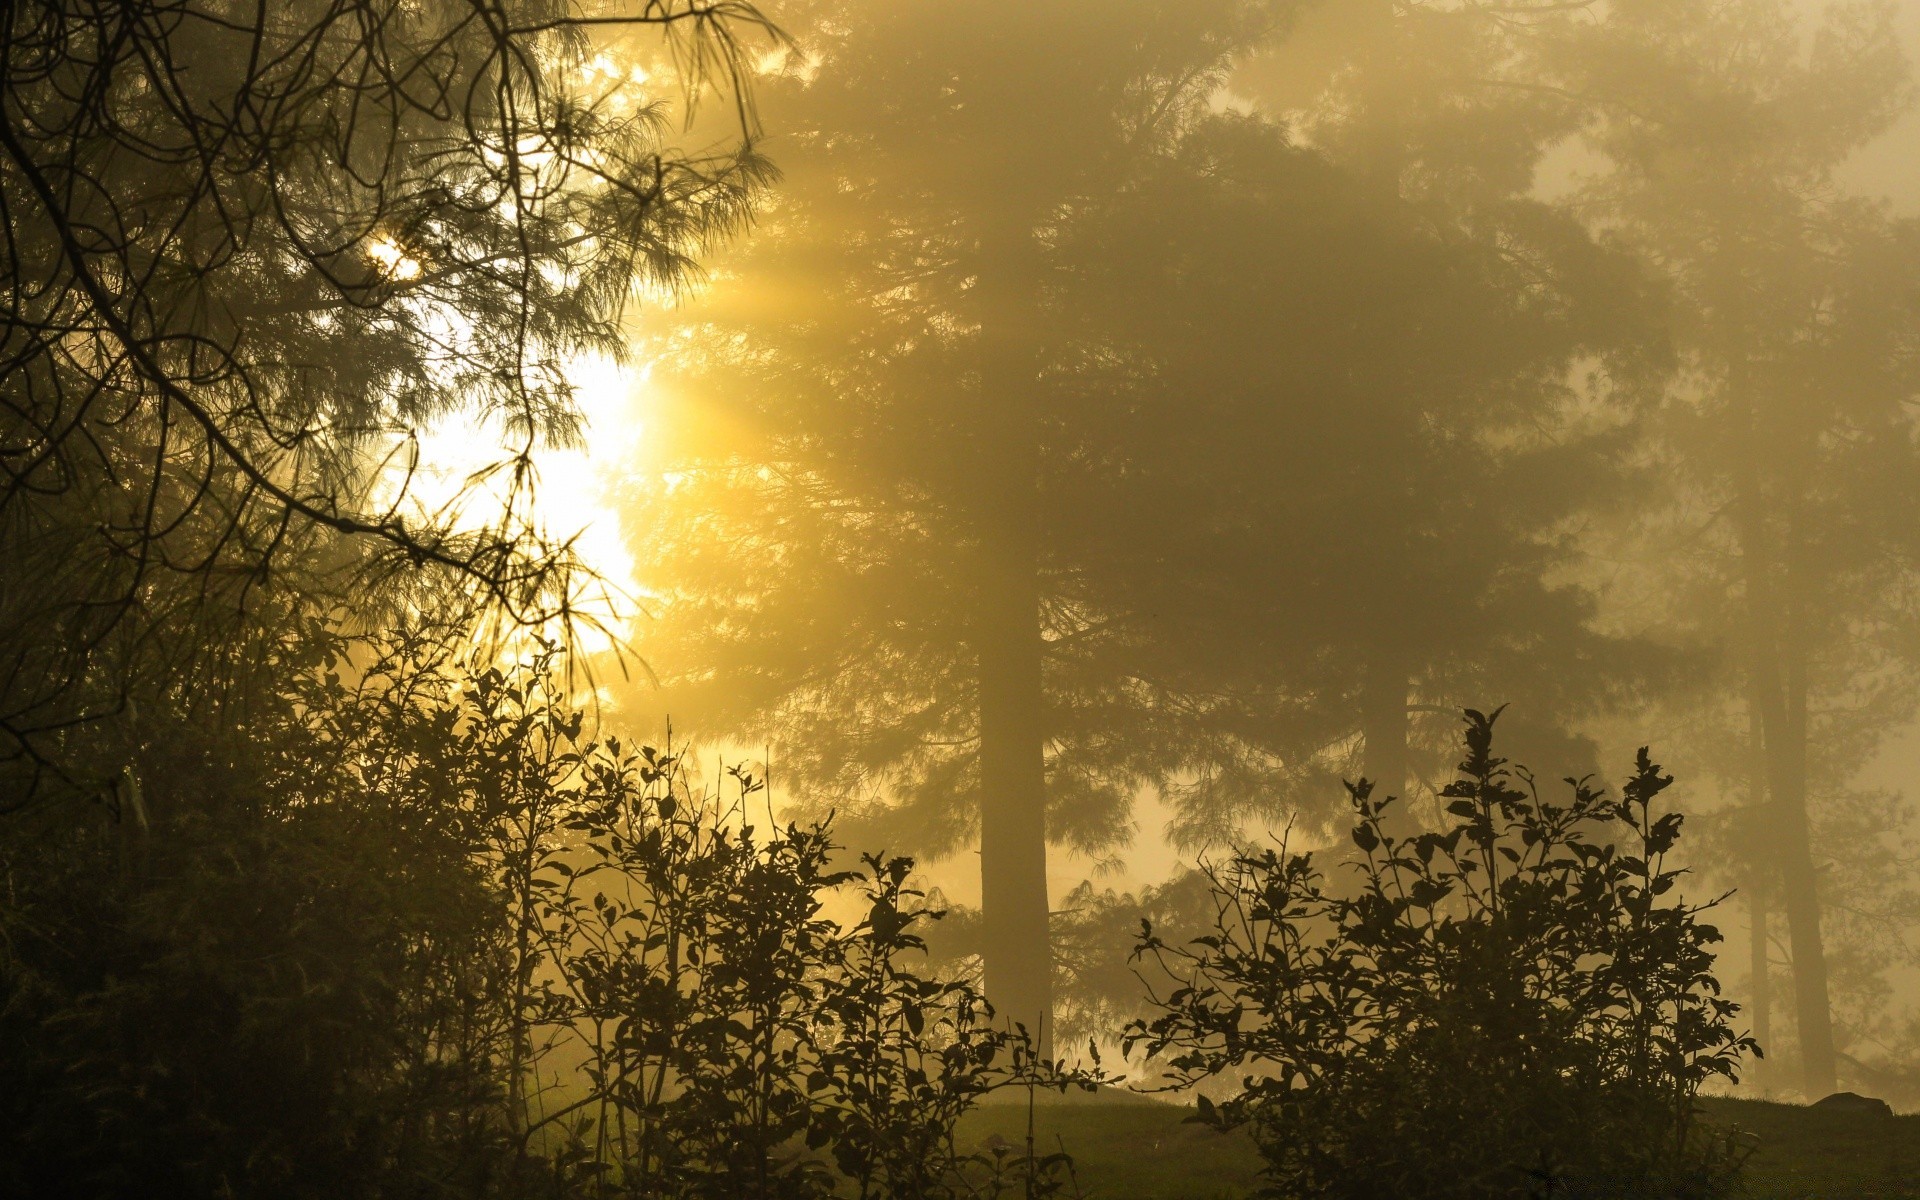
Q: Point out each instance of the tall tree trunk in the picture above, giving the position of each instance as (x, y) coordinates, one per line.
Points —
(1017, 948)
(1383, 731)
(1779, 678)
(1760, 853)
(1800, 884)
(1786, 752)
(1013, 805)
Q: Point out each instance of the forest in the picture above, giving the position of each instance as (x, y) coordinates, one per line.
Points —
(919, 599)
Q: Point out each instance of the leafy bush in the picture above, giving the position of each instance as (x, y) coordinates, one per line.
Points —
(1518, 1004)
(413, 930)
(702, 1027)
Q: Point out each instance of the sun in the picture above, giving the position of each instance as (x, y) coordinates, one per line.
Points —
(453, 473)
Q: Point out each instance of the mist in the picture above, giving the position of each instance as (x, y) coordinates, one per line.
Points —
(689, 599)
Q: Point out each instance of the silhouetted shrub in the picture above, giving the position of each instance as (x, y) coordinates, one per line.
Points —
(274, 985)
(690, 1021)
(414, 930)
(1518, 1004)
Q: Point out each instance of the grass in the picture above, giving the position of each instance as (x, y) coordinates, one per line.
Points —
(1141, 1150)
(1811, 1154)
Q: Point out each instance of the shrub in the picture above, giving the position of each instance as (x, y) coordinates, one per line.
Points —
(1517, 1004)
(276, 990)
(416, 930)
(702, 1028)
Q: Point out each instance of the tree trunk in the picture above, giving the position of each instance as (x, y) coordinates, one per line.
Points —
(1787, 775)
(1780, 681)
(1383, 731)
(1017, 948)
(1784, 723)
(1759, 855)
(1013, 804)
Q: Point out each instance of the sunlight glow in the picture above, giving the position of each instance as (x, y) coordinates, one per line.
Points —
(567, 497)
(392, 260)
(602, 67)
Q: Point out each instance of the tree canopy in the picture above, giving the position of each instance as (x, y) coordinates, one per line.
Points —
(1130, 437)
(207, 205)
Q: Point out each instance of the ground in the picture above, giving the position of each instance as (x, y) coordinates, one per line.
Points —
(1144, 1151)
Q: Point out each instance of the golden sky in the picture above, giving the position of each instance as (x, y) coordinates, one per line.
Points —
(1892, 166)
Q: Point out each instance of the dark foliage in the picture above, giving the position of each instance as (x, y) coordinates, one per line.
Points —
(414, 931)
(1515, 1005)
(204, 203)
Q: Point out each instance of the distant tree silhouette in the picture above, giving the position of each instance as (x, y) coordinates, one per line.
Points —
(1787, 434)
(1372, 456)
(1450, 397)
(1270, 408)
(859, 536)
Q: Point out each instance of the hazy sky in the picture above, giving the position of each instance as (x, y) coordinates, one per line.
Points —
(1892, 166)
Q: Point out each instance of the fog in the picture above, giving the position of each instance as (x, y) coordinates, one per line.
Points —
(1537, 305)
(1069, 444)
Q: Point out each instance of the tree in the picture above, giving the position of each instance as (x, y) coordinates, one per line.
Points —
(1379, 429)
(1787, 430)
(1247, 380)
(859, 536)
(1493, 408)
(250, 252)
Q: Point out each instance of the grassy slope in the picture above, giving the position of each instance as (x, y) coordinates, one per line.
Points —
(1811, 1155)
(1143, 1151)
(1130, 1151)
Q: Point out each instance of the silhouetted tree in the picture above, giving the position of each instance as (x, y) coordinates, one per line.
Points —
(1272, 407)
(250, 251)
(1787, 433)
(1490, 426)
(884, 415)
(1372, 441)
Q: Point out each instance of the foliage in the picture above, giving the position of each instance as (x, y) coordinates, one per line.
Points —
(205, 201)
(722, 1023)
(1097, 433)
(415, 930)
(1514, 1005)
(1782, 535)
(894, 396)
(266, 977)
